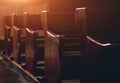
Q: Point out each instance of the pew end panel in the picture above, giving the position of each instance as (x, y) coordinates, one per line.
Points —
(52, 58)
(33, 24)
(70, 30)
(16, 36)
(8, 40)
(18, 32)
(30, 51)
(35, 51)
(7, 35)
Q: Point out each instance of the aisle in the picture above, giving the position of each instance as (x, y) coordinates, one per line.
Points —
(10, 73)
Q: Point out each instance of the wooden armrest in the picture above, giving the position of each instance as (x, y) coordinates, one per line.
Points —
(98, 43)
(16, 28)
(53, 37)
(7, 27)
(38, 32)
(31, 32)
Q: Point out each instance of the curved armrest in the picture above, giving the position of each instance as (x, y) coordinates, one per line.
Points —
(52, 34)
(7, 27)
(29, 30)
(98, 43)
(16, 28)
(54, 37)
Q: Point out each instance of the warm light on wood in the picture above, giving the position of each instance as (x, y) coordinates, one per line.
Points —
(19, 1)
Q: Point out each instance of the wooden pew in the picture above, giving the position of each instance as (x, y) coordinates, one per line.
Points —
(33, 21)
(101, 26)
(7, 35)
(18, 33)
(65, 44)
(104, 44)
(35, 45)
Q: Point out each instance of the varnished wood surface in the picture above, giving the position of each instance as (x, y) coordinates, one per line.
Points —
(59, 28)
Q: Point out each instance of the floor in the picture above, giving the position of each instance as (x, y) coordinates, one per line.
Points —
(71, 81)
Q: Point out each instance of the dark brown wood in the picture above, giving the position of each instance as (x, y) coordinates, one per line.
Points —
(103, 24)
(104, 44)
(7, 35)
(16, 42)
(60, 28)
(52, 59)
(30, 51)
(35, 45)
(61, 5)
(33, 21)
(18, 33)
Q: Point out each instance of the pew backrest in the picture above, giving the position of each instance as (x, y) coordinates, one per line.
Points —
(65, 22)
(33, 21)
(103, 24)
(19, 21)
